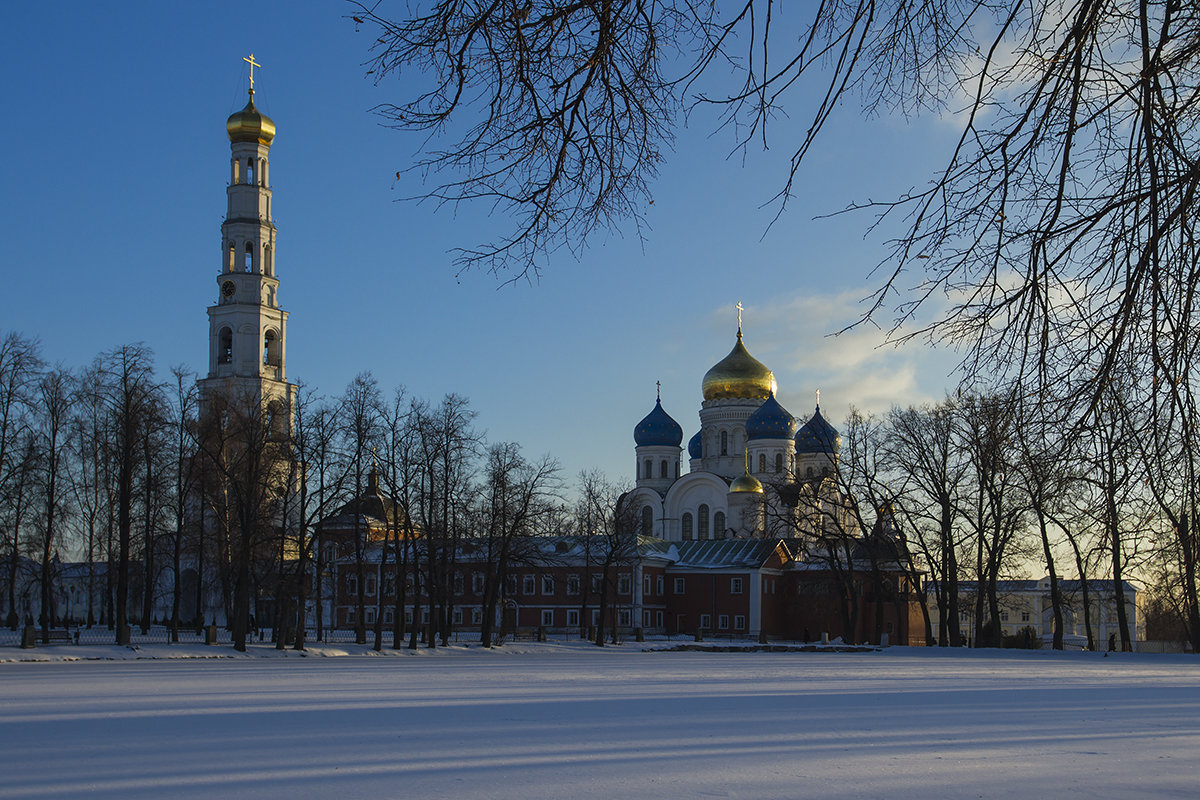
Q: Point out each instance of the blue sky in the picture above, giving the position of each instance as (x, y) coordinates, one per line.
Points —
(114, 176)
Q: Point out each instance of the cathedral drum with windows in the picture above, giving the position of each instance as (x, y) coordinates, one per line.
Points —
(747, 443)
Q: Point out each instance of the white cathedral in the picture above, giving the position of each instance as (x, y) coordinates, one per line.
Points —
(747, 442)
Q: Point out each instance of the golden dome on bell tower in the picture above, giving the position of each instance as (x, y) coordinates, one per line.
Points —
(250, 125)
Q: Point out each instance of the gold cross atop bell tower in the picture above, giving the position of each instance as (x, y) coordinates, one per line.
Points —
(252, 64)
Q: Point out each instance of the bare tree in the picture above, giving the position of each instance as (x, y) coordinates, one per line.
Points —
(20, 367)
(448, 448)
(182, 451)
(322, 481)
(359, 413)
(923, 454)
(610, 524)
(1044, 461)
(1054, 241)
(517, 495)
(983, 431)
(129, 397)
(54, 400)
(400, 474)
(245, 446)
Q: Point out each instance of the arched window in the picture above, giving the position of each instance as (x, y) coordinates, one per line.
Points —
(762, 462)
(724, 443)
(779, 462)
(647, 521)
(719, 525)
(662, 468)
(271, 349)
(225, 346)
(648, 472)
(250, 170)
(808, 472)
(231, 264)
(268, 266)
(248, 263)
(702, 523)
(687, 527)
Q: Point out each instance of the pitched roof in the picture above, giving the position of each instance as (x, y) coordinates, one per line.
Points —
(712, 554)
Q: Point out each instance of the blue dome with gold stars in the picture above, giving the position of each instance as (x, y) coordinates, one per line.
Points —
(818, 436)
(658, 429)
(695, 447)
(770, 421)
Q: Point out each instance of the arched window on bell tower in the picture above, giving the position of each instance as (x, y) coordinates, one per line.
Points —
(268, 265)
(271, 349)
(225, 346)
(248, 261)
(231, 260)
(250, 171)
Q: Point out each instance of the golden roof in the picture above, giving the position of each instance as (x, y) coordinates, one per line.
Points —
(746, 484)
(250, 125)
(739, 375)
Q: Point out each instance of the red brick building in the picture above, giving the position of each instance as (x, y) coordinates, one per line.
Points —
(737, 588)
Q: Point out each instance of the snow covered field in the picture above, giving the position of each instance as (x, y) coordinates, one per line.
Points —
(573, 721)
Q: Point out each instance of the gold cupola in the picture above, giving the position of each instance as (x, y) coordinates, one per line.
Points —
(746, 484)
(250, 125)
(738, 375)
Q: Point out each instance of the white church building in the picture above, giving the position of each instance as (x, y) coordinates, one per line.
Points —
(746, 441)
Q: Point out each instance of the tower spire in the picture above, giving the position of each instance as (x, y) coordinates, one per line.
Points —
(740, 308)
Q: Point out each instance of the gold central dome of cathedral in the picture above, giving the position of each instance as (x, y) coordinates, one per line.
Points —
(738, 375)
(250, 125)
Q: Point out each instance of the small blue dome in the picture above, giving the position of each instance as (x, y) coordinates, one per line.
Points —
(657, 428)
(770, 421)
(695, 447)
(818, 436)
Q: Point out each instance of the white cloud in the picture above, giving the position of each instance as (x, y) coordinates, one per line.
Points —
(793, 336)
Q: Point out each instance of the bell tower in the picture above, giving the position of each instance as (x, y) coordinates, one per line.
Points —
(247, 351)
